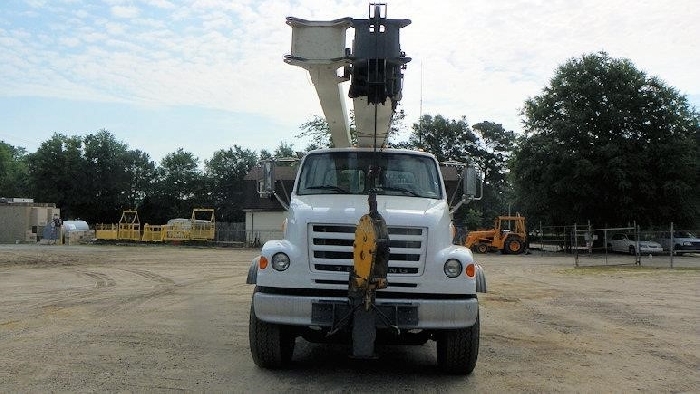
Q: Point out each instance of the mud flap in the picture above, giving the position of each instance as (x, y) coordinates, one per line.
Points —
(480, 279)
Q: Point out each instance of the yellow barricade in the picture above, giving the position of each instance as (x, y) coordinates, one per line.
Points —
(129, 231)
(176, 232)
(106, 231)
(153, 233)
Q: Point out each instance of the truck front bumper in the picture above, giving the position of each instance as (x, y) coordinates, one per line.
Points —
(405, 313)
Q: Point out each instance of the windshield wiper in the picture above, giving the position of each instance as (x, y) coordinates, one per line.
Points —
(328, 187)
(400, 189)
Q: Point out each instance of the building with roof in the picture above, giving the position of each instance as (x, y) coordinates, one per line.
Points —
(23, 220)
(264, 216)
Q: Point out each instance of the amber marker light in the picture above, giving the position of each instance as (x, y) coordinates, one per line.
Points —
(471, 270)
(263, 262)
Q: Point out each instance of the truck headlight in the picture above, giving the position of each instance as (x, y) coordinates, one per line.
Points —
(280, 261)
(453, 268)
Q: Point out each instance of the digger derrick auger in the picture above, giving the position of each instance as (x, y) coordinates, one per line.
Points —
(377, 64)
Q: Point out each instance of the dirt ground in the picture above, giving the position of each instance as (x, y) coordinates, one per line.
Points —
(165, 318)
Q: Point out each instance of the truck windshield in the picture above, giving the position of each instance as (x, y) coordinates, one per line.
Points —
(401, 174)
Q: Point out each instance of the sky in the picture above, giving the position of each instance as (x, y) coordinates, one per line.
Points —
(204, 75)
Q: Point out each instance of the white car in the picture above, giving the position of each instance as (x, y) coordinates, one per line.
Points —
(622, 243)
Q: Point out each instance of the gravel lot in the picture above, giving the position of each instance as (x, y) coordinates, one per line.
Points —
(166, 318)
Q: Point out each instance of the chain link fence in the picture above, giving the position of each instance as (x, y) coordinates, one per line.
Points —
(632, 245)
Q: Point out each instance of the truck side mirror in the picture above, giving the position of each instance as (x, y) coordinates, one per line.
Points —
(267, 183)
(472, 184)
(469, 182)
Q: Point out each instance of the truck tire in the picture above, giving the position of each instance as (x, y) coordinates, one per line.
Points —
(253, 272)
(482, 247)
(480, 279)
(458, 349)
(513, 246)
(271, 345)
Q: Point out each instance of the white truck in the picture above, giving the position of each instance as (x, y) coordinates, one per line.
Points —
(341, 274)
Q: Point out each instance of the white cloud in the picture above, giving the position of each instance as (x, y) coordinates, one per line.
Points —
(70, 42)
(476, 58)
(164, 4)
(114, 29)
(125, 12)
(82, 14)
(36, 3)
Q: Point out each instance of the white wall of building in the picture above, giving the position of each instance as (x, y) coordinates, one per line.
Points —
(263, 225)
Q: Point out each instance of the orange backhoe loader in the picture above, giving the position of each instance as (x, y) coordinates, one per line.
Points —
(508, 235)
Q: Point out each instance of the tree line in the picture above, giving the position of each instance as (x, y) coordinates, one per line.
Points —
(602, 142)
(95, 177)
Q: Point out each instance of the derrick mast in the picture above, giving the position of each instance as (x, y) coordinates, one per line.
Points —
(373, 66)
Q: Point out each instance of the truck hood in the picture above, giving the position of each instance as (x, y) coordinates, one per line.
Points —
(396, 210)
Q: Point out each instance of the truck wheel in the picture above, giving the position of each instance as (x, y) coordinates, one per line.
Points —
(632, 251)
(271, 345)
(514, 246)
(458, 349)
(480, 279)
(482, 248)
(252, 272)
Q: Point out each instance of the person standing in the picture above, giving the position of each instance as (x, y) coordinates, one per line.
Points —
(56, 225)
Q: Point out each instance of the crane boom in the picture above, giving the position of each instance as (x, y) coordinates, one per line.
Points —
(319, 47)
(373, 66)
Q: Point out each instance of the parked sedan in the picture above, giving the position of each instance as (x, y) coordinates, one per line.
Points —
(683, 242)
(622, 243)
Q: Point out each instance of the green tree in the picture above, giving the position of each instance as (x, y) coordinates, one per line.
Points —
(318, 131)
(494, 150)
(109, 182)
(13, 171)
(447, 139)
(58, 173)
(225, 172)
(92, 178)
(141, 172)
(607, 143)
(180, 187)
(284, 151)
(265, 155)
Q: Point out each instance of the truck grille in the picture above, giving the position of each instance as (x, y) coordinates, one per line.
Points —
(330, 249)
